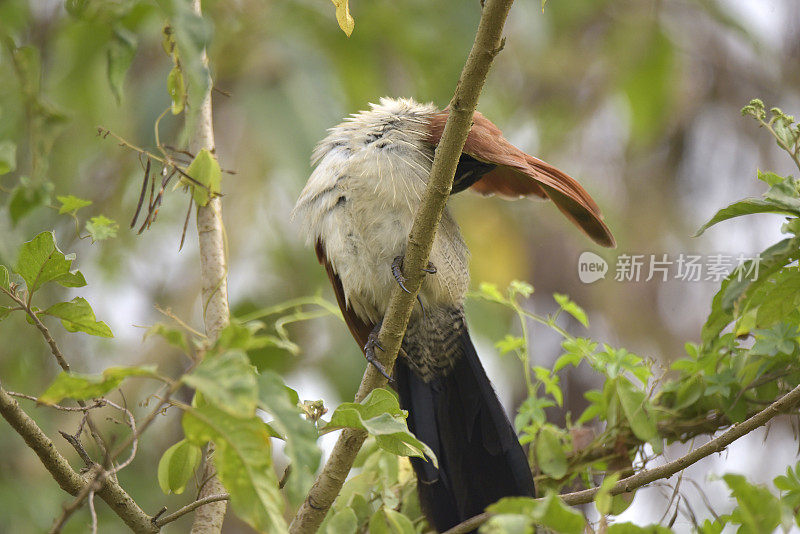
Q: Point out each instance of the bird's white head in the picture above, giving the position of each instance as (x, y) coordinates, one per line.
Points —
(394, 124)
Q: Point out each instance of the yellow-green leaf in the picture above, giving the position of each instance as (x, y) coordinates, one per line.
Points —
(228, 381)
(243, 458)
(380, 415)
(176, 87)
(8, 156)
(78, 386)
(40, 261)
(346, 22)
(101, 228)
(71, 204)
(177, 465)
(205, 170)
(77, 316)
(634, 404)
(550, 453)
(300, 434)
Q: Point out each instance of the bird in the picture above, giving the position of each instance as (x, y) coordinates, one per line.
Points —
(356, 210)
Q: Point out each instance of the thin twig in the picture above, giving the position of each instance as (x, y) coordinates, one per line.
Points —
(134, 433)
(191, 507)
(59, 356)
(105, 132)
(92, 511)
(169, 313)
(186, 222)
(62, 362)
(78, 446)
(98, 403)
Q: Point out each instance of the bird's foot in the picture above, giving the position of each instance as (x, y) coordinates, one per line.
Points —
(369, 352)
(397, 272)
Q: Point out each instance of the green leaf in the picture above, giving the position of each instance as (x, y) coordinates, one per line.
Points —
(634, 405)
(4, 278)
(689, 392)
(747, 206)
(176, 88)
(8, 157)
(101, 228)
(780, 339)
(40, 262)
(344, 521)
(550, 455)
(26, 197)
(770, 178)
(508, 524)
(776, 298)
(227, 381)
(243, 459)
(755, 109)
(550, 512)
(380, 415)
(517, 287)
(611, 504)
(509, 344)
(247, 337)
(531, 412)
(71, 204)
(79, 386)
(712, 527)
(77, 316)
(758, 510)
(387, 521)
(559, 517)
(733, 291)
(173, 336)
(205, 169)
(490, 292)
(121, 50)
(177, 465)
(571, 308)
(5, 311)
(602, 499)
(300, 434)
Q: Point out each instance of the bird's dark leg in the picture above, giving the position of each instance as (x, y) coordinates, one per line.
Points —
(397, 271)
(369, 352)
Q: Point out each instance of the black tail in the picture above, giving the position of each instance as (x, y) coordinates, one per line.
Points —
(461, 419)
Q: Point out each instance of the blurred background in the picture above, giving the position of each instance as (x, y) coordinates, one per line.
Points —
(638, 99)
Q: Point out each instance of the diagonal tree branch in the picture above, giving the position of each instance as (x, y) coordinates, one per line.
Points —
(642, 478)
(70, 481)
(462, 107)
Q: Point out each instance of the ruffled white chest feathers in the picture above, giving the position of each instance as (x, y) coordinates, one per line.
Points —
(360, 201)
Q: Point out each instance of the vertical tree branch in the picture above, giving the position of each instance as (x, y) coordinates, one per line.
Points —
(462, 107)
(216, 314)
